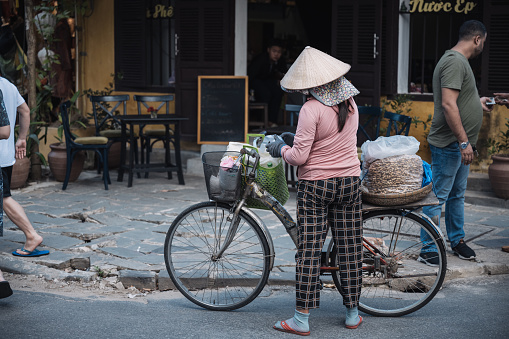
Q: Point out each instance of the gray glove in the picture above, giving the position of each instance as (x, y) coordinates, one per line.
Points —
(274, 148)
(288, 138)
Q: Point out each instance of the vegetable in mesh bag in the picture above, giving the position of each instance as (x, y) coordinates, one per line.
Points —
(394, 175)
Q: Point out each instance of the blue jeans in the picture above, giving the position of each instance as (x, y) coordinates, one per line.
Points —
(449, 182)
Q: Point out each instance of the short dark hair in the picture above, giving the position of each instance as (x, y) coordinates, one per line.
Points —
(470, 29)
(275, 42)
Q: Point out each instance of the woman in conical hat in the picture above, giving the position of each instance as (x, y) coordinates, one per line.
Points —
(324, 148)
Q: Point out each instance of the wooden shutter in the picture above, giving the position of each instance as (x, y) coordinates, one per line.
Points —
(356, 31)
(389, 47)
(130, 44)
(204, 46)
(495, 64)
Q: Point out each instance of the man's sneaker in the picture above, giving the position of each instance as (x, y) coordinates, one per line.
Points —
(429, 258)
(463, 251)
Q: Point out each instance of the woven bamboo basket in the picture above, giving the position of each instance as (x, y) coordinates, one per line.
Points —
(396, 199)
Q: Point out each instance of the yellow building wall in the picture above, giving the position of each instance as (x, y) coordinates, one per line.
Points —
(493, 124)
(97, 66)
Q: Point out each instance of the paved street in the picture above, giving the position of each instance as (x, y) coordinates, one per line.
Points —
(465, 308)
(120, 233)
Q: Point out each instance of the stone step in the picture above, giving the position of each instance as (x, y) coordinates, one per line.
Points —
(484, 198)
(479, 182)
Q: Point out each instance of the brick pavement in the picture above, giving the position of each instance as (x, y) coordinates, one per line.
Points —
(120, 233)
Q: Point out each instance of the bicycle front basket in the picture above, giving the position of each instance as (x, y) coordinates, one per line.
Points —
(223, 183)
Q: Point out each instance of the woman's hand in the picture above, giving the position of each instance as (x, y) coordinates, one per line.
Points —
(288, 138)
(274, 148)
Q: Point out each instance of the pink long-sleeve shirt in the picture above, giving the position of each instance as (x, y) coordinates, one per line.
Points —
(319, 151)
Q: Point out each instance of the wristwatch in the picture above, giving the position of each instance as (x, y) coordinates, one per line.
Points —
(464, 145)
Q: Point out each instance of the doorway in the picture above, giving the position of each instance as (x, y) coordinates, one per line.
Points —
(296, 24)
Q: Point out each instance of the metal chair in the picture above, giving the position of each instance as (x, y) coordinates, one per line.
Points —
(293, 110)
(150, 136)
(74, 145)
(105, 111)
(369, 123)
(398, 122)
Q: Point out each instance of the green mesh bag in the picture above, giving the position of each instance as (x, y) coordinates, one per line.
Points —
(273, 180)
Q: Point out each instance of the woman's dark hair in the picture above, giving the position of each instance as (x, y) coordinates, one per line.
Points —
(343, 110)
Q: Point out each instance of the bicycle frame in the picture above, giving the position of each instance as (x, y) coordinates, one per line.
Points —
(254, 191)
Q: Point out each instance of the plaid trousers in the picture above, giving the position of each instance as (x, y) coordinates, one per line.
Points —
(336, 203)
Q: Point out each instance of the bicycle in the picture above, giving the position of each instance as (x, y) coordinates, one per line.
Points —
(219, 253)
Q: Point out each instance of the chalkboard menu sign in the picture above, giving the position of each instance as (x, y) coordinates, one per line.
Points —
(222, 109)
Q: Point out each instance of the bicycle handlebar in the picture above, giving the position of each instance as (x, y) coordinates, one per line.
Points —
(254, 154)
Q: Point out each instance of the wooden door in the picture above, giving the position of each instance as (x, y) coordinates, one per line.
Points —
(204, 45)
(356, 39)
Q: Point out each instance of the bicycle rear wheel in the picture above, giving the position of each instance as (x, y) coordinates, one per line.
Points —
(229, 282)
(394, 283)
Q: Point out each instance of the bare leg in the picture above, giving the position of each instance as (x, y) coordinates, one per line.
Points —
(17, 215)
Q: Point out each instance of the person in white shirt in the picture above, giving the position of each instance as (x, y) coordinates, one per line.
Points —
(9, 152)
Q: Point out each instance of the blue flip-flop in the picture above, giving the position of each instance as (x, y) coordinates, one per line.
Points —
(34, 253)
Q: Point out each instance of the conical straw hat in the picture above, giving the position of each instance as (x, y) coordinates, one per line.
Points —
(313, 68)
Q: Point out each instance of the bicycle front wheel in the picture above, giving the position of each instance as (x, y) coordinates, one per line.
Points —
(226, 283)
(394, 283)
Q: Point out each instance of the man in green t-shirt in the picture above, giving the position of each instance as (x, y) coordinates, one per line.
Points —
(456, 123)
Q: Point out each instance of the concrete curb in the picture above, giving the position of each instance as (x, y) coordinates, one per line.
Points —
(17, 266)
(149, 280)
(476, 270)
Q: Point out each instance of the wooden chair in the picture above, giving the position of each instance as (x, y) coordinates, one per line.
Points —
(150, 136)
(398, 122)
(76, 144)
(105, 110)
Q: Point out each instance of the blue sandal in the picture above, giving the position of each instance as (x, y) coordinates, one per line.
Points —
(34, 253)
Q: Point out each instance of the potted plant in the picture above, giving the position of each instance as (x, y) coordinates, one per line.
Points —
(21, 168)
(498, 171)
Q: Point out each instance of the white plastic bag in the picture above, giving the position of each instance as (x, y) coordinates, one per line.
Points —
(384, 147)
(260, 143)
(266, 160)
(234, 146)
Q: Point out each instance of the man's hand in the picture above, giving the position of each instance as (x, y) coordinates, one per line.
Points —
(467, 155)
(485, 107)
(21, 148)
(502, 99)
